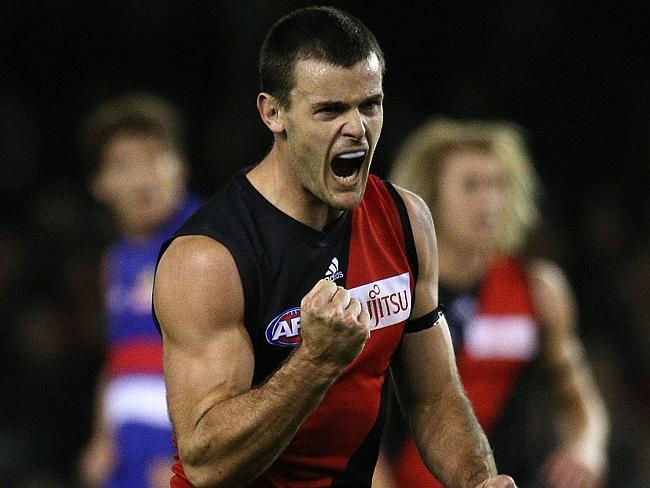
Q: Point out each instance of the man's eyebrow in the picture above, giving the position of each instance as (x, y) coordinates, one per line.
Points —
(377, 97)
(329, 104)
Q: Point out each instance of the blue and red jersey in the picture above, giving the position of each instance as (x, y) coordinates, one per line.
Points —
(134, 403)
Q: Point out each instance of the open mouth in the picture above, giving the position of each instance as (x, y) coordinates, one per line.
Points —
(346, 166)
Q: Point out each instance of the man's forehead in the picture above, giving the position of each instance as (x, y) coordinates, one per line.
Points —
(314, 66)
(318, 78)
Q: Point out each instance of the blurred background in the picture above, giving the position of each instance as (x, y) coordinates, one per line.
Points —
(574, 75)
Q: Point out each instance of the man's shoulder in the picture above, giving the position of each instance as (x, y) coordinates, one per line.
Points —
(199, 252)
(197, 278)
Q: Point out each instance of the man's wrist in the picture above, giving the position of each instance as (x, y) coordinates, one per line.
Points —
(317, 364)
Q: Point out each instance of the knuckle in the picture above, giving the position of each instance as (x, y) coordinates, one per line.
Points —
(342, 293)
(364, 317)
(307, 306)
(340, 316)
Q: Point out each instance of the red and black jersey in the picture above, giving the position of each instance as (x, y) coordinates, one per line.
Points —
(369, 251)
(496, 337)
(499, 341)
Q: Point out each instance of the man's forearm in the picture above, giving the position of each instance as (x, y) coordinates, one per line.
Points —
(581, 411)
(237, 439)
(451, 442)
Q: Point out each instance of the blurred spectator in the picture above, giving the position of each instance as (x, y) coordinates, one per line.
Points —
(512, 317)
(133, 146)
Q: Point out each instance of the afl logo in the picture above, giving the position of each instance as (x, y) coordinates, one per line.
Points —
(284, 330)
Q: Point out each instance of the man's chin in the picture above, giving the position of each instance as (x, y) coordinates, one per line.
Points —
(348, 200)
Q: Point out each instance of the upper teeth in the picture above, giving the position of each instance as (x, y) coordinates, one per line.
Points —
(351, 155)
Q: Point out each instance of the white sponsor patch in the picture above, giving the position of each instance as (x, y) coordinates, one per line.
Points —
(388, 301)
(501, 337)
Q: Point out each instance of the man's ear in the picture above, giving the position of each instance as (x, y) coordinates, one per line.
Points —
(270, 112)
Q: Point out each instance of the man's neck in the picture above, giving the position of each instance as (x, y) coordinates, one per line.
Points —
(461, 268)
(276, 183)
(136, 235)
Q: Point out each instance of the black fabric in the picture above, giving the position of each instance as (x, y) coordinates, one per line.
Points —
(460, 308)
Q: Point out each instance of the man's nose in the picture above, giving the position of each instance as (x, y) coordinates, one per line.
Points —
(354, 126)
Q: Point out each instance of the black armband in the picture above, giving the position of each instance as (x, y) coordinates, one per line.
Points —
(426, 321)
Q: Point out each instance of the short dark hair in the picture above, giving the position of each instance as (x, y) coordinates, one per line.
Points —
(323, 33)
(133, 113)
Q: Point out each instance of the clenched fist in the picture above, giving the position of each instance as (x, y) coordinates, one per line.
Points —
(334, 327)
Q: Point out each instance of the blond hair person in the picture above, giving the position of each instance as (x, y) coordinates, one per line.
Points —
(506, 311)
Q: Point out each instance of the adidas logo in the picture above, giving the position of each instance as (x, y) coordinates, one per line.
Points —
(333, 272)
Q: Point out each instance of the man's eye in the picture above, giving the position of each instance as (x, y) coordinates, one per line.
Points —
(370, 106)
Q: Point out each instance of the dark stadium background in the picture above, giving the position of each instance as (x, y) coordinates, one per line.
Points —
(574, 75)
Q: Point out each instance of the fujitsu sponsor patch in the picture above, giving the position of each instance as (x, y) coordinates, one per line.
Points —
(387, 301)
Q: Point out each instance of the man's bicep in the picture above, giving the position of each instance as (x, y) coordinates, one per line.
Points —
(199, 376)
(207, 353)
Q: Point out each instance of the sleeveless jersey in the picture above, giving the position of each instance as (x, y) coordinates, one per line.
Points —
(370, 251)
(495, 336)
(134, 403)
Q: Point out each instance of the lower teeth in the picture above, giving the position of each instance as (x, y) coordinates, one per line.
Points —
(347, 177)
